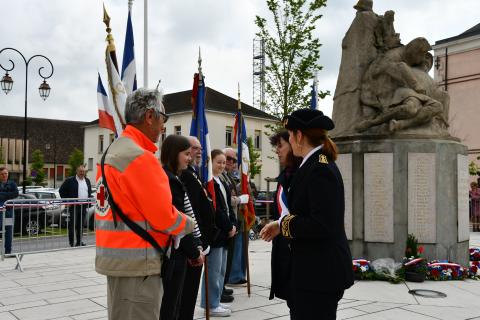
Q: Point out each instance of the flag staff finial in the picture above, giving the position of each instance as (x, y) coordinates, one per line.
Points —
(239, 102)
(109, 39)
(130, 3)
(200, 63)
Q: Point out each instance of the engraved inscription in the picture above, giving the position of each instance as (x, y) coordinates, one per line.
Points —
(378, 195)
(463, 209)
(421, 197)
(344, 163)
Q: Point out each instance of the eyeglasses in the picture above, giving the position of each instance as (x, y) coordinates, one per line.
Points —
(165, 117)
(231, 159)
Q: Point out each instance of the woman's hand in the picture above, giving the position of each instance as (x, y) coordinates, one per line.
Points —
(270, 231)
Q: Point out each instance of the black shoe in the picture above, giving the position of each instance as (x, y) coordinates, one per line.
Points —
(239, 283)
(82, 244)
(226, 299)
(227, 292)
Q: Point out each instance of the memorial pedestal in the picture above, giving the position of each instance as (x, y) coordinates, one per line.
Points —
(394, 187)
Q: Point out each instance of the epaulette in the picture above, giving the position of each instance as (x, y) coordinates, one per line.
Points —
(323, 159)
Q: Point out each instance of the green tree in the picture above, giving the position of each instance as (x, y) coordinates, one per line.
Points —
(473, 169)
(75, 160)
(292, 54)
(255, 161)
(36, 168)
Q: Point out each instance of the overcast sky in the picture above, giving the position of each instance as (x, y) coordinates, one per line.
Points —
(71, 33)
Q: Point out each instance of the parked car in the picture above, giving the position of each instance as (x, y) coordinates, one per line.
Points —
(261, 205)
(30, 217)
(52, 197)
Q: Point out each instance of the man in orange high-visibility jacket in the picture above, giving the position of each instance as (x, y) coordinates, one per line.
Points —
(140, 189)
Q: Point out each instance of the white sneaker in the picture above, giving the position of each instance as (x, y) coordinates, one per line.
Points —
(220, 312)
(225, 306)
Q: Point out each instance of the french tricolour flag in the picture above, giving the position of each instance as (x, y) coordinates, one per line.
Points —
(240, 137)
(129, 72)
(199, 129)
(105, 114)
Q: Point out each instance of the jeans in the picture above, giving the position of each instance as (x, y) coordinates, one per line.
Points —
(238, 264)
(217, 263)
(7, 238)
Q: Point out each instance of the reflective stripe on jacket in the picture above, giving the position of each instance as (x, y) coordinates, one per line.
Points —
(141, 190)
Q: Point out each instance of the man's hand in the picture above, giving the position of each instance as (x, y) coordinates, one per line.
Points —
(270, 231)
(232, 232)
(197, 262)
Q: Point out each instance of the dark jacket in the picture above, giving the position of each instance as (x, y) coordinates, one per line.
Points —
(69, 188)
(8, 190)
(281, 255)
(202, 205)
(321, 258)
(188, 244)
(224, 216)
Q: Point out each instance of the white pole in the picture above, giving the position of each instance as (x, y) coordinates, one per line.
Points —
(145, 45)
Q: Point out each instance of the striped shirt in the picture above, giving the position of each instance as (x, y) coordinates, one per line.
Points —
(189, 212)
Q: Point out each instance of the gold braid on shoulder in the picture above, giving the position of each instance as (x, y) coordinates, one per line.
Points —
(286, 226)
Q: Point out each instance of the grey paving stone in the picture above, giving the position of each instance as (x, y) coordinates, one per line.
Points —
(7, 316)
(23, 305)
(38, 296)
(348, 313)
(57, 310)
(394, 314)
(445, 313)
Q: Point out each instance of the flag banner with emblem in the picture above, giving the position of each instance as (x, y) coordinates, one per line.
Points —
(117, 92)
(199, 129)
(240, 137)
(314, 100)
(129, 72)
(105, 112)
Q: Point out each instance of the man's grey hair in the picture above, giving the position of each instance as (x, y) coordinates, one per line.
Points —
(230, 149)
(140, 101)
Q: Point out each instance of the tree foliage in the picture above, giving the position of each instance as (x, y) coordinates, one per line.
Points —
(473, 169)
(255, 161)
(2, 161)
(292, 53)
(36, 168)
(75, 160)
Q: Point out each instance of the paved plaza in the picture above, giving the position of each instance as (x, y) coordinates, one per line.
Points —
(64, 285)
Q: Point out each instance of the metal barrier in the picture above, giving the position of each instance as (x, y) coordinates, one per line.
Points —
(40, 225)
(475, 215)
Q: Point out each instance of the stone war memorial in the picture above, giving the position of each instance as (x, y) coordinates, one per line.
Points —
(403, 172)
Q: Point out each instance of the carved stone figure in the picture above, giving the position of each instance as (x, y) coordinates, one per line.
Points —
(395, 93)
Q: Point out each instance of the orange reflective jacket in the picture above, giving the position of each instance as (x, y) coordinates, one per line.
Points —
(140, 189)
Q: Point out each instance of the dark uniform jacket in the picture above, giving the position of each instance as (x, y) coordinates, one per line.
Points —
(8, 190)
(281, 255)
(321, 258)
(224, 216)
(202, 205)
(188, 244)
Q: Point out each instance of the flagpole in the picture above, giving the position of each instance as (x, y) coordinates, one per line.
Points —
(145, 44)
(200, 83)
(243, 206)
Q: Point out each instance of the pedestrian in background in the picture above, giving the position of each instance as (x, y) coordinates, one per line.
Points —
(8, 191)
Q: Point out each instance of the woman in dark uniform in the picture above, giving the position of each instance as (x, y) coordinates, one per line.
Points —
(321, 259)
(281, 260)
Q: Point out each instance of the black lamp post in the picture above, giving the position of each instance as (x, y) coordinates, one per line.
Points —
(7, 83)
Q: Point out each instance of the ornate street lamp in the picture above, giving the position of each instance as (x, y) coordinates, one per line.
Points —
(44, 90)
(7, 83)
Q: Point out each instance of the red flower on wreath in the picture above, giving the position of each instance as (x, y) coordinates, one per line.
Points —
(474, 269)
(435, 273)
(420, 250)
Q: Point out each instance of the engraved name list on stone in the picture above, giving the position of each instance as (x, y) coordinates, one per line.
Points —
(421, 197)
(463, 206)
(344, 163)
(378, 196)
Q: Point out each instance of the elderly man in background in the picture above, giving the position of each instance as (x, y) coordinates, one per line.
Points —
(138, 188)
(8, 190)
(235, 274)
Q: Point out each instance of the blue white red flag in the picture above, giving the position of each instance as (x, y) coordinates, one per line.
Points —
(129, 72)
(240, 137)
(282, 203)
(105, 112)
(199, 129)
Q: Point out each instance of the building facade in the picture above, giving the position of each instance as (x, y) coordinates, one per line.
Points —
(56, 139)
(457, 69)
(220, 112)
